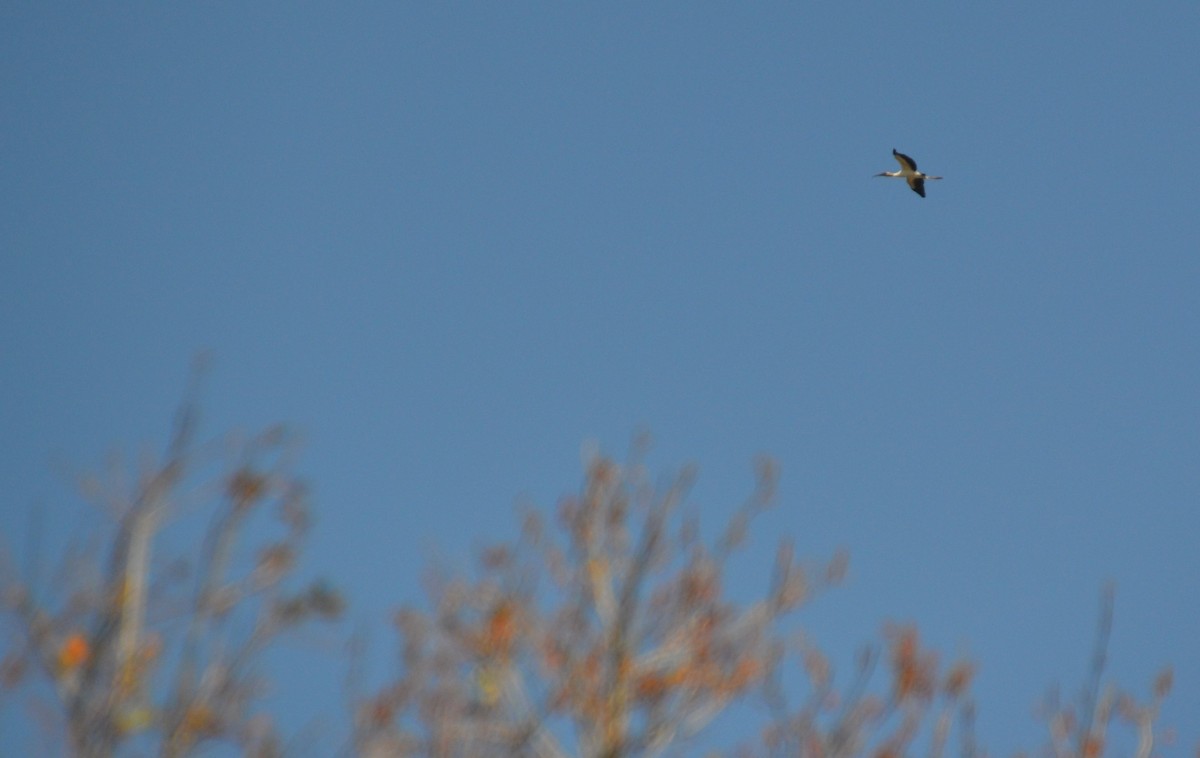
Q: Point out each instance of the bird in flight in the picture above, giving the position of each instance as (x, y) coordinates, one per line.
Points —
(908, 171)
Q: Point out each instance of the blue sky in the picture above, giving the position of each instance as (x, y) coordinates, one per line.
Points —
(451, 243)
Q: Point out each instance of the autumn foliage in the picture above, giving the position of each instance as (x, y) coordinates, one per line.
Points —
(603, 630)
(608, 632)
(151, 654)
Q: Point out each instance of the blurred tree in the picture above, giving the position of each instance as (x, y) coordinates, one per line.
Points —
(139, 656)
(606, 633)
(1081, 730)
(612, 635)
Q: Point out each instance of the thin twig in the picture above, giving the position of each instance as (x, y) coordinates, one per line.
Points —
(1099, 658)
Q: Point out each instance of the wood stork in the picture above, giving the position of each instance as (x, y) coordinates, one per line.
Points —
(908, 171)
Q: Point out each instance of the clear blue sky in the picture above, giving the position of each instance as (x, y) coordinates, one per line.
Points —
(452, 243)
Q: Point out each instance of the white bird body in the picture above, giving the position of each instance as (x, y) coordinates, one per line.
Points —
(908, 172)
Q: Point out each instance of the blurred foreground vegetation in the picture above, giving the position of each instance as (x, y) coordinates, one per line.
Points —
(603, 630)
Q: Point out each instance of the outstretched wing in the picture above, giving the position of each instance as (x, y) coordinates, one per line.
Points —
(918, 184)
(905, 162)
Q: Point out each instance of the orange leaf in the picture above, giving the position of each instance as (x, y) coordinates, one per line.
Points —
(74, 652)
(199, 719)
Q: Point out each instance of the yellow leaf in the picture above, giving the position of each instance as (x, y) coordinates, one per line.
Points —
(135, 719)
(488, 681)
